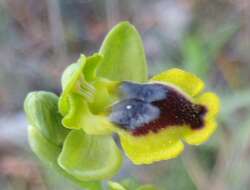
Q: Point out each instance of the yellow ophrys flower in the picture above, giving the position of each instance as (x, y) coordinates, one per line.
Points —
(155, 118)
(108, 92)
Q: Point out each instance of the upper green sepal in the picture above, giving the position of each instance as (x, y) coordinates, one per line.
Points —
(90, 157)
(123, 55)
(42, 112)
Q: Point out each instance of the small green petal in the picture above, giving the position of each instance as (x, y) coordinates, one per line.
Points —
(90, 67)
(48, 153)
(80, 116)
(90, 157)
(74, 81)
(70, 78)
(72, 73)
(124, 57)
(42, 112)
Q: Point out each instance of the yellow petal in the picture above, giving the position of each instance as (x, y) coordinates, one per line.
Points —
(186, 81)
(152, 147)
(198, 136)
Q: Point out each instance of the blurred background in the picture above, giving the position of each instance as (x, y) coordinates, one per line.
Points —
(38, 39)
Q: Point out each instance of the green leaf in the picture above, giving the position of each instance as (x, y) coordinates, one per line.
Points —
(42, 112)
(194, 55)
(123, 55)
(48, 153)
(218, 39)
(199, 52)
(90, 157)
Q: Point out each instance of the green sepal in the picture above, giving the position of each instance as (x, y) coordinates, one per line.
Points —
(48, 153)
(123, 55)
(90, 157)
(42, 112)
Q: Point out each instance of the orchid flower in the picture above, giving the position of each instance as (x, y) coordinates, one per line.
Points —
(110, 93)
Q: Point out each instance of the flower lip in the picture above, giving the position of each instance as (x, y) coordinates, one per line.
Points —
(154, 106)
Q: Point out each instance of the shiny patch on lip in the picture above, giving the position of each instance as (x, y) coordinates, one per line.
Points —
(131, 114)
(151, 107)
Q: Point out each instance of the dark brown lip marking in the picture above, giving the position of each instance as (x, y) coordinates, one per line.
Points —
(175, 110)
(154, 106)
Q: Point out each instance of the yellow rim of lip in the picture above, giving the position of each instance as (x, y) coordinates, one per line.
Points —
(180, 78)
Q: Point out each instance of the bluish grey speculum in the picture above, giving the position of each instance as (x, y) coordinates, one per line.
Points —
(151, 107)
